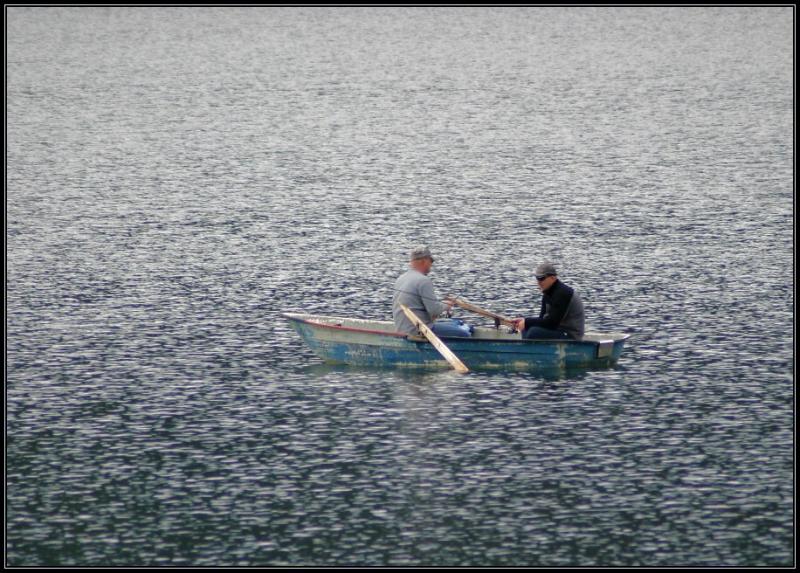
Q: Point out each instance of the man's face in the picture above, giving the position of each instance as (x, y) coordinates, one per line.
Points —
(425, 265)
(422, 265)
(545, 282)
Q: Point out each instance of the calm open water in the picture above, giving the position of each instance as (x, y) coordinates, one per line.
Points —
(176, 178)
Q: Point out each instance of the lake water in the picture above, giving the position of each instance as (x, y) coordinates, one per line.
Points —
(177, 178)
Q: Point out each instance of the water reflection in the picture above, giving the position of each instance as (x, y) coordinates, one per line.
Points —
(318, 368)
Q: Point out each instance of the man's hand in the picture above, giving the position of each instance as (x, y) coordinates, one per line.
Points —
(519, 324)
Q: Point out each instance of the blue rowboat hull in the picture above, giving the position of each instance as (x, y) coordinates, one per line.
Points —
(374, 343)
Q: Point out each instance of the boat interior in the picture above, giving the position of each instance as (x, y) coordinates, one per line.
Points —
(481, 332)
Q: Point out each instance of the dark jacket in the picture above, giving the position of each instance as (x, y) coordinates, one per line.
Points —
(562, 309)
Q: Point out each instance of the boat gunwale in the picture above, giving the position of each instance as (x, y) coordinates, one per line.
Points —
(413, 338)
(312, 322)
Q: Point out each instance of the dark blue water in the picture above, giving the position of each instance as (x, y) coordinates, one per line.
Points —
(176, 178)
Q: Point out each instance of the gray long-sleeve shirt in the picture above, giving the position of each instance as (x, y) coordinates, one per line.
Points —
(415, 290)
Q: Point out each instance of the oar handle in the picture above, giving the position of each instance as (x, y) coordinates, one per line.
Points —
(498, 318)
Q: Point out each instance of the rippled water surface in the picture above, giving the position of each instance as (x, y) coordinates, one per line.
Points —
(176, 178)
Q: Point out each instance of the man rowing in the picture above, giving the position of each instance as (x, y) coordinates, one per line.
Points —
(415, 290)
(561, 315)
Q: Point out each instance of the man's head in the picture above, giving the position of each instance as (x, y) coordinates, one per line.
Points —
(421, 259)
(546, 275)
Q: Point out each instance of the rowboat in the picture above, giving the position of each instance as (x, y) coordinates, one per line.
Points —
(365, 342)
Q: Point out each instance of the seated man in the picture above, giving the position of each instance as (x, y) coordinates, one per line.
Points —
(561, 315)
(415, 290)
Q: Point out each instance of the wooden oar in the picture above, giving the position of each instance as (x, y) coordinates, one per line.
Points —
(498, 318)
(435, 340)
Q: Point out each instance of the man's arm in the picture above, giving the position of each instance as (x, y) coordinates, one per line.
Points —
(430, 300)
(521, 324)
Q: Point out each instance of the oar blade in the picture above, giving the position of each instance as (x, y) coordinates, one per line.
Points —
(448, 355)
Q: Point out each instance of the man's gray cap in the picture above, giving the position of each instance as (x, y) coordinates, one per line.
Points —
(545, 269)
(421, 252)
